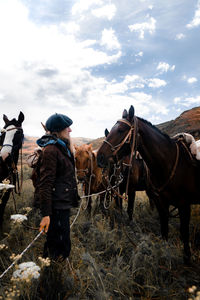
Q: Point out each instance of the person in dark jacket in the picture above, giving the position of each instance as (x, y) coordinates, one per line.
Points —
(57, 188)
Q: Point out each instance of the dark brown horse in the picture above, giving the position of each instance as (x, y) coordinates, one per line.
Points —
(135, 178)
(174, 175)
(10, 143)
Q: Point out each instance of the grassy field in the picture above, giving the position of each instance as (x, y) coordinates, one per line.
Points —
(111, 258)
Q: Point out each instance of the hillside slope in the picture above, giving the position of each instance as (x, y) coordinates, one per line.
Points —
(188, 121)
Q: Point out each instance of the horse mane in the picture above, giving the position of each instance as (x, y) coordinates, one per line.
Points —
(83, 147)
(156, 128)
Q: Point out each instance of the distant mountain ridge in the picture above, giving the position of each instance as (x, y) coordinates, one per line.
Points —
(30, 143)
(188, 121)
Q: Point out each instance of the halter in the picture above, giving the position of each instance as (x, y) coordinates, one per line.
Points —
(127, 139)
(86, 170)
(4, 130)
(90, 175)
(13, 170)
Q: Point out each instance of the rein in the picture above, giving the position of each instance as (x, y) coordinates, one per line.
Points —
(127, 139)
(158, 190)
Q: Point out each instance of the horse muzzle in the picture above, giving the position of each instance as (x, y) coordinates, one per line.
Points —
(5, 152)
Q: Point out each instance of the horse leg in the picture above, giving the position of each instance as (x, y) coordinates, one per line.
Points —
(88, 200)
(184, 213)
(89, 206)
(151, 199)
(3, 202)
(118, 200)
(163, 211)
(101, 203)
(131, 199)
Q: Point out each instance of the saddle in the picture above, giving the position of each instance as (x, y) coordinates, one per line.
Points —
(192, 145)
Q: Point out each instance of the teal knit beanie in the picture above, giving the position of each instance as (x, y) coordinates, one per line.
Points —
(58, 122)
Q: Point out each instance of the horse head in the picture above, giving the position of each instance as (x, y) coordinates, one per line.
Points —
(11, 138)
(118, 141)
(84, 159)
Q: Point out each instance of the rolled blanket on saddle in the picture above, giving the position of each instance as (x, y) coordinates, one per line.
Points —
(193, 145)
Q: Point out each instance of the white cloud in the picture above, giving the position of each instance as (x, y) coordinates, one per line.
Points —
(70, 28)
(139, 54)
(156, 83)
(177, 100)
(165, 67)
(142, 27)
(196, 20)
(180, 36)
(109, 39)
(45, 66)
(188, 101)
(192, 80)
(83, 5)
(107, 11)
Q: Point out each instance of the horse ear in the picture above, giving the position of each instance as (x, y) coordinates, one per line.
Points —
(5, 118)
(44, 127)
(75, 146)
(21, 117)
(90, 146)
(125, 114)
(131, 113)
(106, 132)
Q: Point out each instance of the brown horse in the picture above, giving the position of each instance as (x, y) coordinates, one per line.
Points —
(10, 141)
(89, 173)
(87, 169)
(174, 174)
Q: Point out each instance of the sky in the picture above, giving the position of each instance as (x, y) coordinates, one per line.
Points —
(91, 59)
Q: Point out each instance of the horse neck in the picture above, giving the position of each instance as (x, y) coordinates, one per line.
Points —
(96, 170)
(157, 149)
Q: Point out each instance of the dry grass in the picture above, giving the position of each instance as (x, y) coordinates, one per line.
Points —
(127, 261)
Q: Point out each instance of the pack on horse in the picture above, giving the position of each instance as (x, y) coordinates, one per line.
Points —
(174, 174)
(10, 143)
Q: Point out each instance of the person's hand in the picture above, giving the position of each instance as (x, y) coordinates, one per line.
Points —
(44, 224)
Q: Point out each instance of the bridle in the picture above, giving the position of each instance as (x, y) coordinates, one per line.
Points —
(4, 130)
(127, 138)
(89, 169)
(133, 131)
(13, 168)
(89, 174)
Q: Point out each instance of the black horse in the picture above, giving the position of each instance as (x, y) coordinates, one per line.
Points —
(174, 174)
(10, 143)
(135, 178)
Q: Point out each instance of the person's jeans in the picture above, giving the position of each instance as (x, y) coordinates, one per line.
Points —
(58, 243)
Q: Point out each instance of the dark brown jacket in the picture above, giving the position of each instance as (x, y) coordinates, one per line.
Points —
(57, 188)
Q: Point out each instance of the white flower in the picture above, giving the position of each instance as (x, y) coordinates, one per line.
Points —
(6, 186)
(27, 270)
(18, 218)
